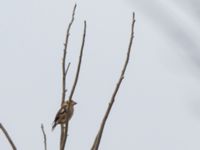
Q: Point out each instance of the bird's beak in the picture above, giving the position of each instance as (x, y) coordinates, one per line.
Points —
(75, 103)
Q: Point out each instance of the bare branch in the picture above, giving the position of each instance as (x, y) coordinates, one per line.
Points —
(8, 137)
(62, 135)
(79, 64)
(100, 132)
(65, 135)
(64, 71)
(45, 137)
(74, 85)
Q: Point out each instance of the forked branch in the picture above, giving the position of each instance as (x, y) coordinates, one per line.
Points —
(75, 83)
(8, 137)
(65, 71)
(97, 140)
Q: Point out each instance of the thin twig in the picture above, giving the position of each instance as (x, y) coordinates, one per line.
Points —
(64, 70)
(100, 132)
(45, 137)
(79, 64)
(75, 81)
(8, 137)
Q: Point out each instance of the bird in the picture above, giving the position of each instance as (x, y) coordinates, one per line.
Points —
(65, 113)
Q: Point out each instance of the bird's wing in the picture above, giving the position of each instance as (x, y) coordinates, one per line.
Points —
(60, 113)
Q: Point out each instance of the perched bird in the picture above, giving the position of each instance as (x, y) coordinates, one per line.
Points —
(65, 113)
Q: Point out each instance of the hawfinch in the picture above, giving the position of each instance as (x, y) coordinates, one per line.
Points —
(65, 113)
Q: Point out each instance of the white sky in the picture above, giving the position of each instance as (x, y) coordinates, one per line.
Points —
(158, 104)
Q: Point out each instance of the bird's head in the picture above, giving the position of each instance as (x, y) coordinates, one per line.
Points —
(69, 103)
(73, 102)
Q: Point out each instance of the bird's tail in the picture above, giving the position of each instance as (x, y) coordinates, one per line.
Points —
(54, 125)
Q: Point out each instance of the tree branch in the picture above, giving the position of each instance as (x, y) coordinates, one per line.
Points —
(75, 83)
(8, 137)
(100, 132)
(79, 64)
(64, 70)
(45, 137)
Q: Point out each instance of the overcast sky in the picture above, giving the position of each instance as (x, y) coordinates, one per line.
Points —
(158, 104)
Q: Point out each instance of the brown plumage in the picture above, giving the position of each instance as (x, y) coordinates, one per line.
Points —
(65, 113)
